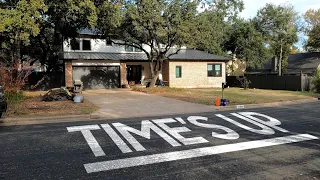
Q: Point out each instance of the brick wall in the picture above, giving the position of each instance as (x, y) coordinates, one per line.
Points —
(195, 74)
(123, 73)
(68, 73)
(165, 72)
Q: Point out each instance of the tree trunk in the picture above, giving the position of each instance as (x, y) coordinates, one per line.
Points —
(280, 60)
(154, 79)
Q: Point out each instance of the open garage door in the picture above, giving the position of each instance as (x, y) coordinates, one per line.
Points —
(97, 77)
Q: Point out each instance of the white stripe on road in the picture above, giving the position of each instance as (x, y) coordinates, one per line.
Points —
(192, 153)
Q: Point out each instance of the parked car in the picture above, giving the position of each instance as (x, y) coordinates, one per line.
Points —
(3, 103)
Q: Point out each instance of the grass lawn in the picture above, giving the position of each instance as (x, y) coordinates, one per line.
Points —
(31, 106)
(234, 96)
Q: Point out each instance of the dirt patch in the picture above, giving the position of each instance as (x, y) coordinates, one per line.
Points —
(31, 106)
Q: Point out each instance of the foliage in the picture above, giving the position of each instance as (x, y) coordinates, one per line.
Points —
(314, 39)
(312, 19)
(245, 83)
(19, 22)
(212, 26)
(247, 44)
(278, 26)
(160, 25)
(316, 81)
(13, 79)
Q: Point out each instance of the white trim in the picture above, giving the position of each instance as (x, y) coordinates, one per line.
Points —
(95, 63)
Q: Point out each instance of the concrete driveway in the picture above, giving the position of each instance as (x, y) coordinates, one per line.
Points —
(124, 103)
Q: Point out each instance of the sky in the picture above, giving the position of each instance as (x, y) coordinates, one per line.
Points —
(301, 6)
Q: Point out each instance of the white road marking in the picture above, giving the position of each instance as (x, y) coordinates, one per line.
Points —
(231, 134)
(91, 140)
(192, 153)
(273, 123)
(264, 129)
(116, 138)
(175, 132)
(180, 120)
(146, 127)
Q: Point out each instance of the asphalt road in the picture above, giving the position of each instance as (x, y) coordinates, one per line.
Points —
(196, 150)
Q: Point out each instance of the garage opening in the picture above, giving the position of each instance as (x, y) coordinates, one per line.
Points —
(103, 77)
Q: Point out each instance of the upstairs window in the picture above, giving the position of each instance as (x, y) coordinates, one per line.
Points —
(128, 48)
(86, 45)
(75, 44)
(214, 70)
(132, 49)
(108, 42)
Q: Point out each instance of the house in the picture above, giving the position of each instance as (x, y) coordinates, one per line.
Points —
(305, 63)
(101, 64)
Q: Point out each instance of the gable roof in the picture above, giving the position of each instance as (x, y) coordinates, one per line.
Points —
(183, 54)
(193, 54)
(304, 61)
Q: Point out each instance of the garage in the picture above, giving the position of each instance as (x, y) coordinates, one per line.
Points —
(97, 77)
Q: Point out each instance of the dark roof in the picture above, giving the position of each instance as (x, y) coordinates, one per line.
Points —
(184, 54)
(305, 62)
(193, 54)
(103, 56)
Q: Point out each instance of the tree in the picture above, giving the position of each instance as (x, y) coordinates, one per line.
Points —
(41, 28)
(213, 25)
(164, 26)
(312, 19)
(313, 43)
(19, 21)
(277, 25)
(247, 44)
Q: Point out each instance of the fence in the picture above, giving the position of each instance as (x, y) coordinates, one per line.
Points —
(289, 82)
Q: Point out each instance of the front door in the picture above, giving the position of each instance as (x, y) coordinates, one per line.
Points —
(134, 73)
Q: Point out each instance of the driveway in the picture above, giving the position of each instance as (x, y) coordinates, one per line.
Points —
(124, 103)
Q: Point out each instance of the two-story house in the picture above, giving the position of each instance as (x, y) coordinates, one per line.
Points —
(99, 63)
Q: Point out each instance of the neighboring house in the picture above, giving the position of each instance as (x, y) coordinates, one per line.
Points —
(101, 64)
(305, 63)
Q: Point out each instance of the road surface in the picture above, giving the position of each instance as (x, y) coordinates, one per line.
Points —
(265, 143)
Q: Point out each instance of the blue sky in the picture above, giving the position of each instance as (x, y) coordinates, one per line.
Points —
(301, 6)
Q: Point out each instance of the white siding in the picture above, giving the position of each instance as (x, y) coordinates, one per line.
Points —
(99, 45)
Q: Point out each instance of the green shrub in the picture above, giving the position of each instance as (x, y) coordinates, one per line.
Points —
(13, 100)
(316, 81)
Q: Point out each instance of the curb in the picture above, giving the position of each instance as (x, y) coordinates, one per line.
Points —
(44, 120)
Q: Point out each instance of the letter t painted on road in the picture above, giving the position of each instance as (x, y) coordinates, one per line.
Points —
(91, 140)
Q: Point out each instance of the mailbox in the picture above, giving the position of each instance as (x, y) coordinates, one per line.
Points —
(224, 85)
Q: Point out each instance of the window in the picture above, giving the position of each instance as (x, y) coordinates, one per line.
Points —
(75, 44)
(132, 49)
(178, 72)
(214, 70)
(108, 42)
(128, 48)
(137, 50)
(86, 45)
